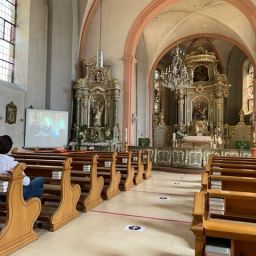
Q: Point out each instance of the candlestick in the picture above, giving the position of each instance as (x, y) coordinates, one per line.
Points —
(126, 135)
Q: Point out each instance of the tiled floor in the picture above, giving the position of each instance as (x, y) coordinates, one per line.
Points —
(101, 231)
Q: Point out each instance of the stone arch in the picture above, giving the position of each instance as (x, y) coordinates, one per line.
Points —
(246, 7)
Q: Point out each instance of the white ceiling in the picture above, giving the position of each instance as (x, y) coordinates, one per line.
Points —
(189, 18)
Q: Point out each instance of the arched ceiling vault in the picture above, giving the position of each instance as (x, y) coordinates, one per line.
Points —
(187, 18)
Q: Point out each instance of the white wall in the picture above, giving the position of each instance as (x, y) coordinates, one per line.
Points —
(36, 75)
(45, 60)
(30, 67)
(234, 73)
(142, 90)
(10, 93)
(59, 73)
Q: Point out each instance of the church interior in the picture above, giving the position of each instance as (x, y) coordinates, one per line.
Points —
(141, 118)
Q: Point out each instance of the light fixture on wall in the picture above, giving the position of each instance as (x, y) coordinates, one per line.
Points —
(99, 63)
(177, 75)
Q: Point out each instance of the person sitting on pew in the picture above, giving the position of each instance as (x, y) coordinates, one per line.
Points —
(31, 188)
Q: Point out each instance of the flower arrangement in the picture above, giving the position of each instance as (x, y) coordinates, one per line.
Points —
(180, 134)
(144, 142)
(94, 136)
(82, 134)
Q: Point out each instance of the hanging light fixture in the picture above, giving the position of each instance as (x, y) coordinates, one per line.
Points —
(99, 62)
(177, 75)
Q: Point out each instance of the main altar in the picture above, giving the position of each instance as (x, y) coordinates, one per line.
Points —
(199, 127)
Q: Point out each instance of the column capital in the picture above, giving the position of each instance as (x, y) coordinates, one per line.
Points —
(129, 59)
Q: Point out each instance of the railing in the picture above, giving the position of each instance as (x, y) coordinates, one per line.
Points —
(188, 157)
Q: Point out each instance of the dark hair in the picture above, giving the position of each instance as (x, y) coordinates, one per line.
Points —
(5, 144)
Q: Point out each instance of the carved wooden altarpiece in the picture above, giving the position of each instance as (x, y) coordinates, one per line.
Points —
(96, 98)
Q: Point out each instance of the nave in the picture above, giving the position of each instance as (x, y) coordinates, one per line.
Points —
(103, 230)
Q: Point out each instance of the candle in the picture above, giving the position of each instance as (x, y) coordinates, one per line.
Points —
(126, 135)
(253, 135)
(174, 136)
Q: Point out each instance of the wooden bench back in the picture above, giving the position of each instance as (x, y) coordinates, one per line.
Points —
(69, 193)
(241, 234)
(14, 235)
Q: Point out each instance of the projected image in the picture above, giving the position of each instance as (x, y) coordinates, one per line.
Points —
(45, 128)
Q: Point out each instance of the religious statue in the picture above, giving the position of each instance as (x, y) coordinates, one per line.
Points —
(98, 76)
(199, 112)
(161, 117)
(98, 110)
(241, 115)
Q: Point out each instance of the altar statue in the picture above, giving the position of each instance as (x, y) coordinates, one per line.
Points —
(97, 114)
(241, 115)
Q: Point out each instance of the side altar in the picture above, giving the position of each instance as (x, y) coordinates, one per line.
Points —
(96, 101)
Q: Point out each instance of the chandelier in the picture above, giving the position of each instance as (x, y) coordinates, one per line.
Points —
(177, 76)
(99, 62)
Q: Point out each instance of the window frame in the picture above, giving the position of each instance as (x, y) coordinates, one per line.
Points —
(7, 41)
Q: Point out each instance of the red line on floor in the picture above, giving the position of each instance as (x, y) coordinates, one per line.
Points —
(140, 216)
(159, 193)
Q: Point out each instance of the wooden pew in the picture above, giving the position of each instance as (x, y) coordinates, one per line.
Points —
(240, 206)
(111, 189)
(125, 169)
(235, 175)
(91, 184)
(137, 164)
(199, 217)
(124, 165)
(20, 215)
(233, 183)
(241, 234)
(112, 177)
(64, 194)
(111, 174)
(147, 162)
(216, 162)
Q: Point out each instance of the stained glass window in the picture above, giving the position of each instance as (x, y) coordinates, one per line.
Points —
(250, 88)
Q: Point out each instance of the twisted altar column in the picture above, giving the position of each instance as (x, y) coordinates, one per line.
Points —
(219, 111)
(78, 107)
(84, 111)
(180, 95)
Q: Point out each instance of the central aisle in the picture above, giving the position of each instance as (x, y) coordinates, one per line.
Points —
(162, 206)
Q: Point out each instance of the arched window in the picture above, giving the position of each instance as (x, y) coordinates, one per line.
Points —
(248, 88)
(7, 33)
(250, 77)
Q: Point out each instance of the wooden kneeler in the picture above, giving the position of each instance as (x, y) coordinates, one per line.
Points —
(21, 215)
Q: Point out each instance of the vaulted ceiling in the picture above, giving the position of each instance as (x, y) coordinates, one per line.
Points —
(224, 25)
